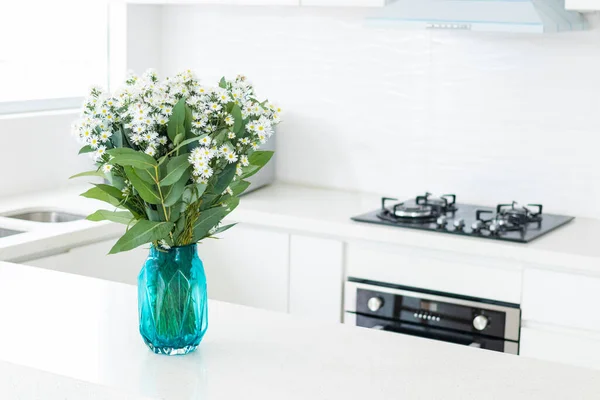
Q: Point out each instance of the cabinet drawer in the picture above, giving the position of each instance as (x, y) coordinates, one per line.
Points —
(436, 270)
(561, 299)
(573, 349)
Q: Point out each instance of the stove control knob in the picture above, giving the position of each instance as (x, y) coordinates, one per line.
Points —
(459, 224)
(494, 227)
(375, 303)
(477, 226)
(442, 221)
(480, 322)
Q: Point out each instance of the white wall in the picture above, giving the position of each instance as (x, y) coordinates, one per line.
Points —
(492, 117)
(38, 152)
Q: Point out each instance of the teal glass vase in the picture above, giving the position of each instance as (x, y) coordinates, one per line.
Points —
(172, 300)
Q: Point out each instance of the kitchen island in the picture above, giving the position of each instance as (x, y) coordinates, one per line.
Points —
(86, 329)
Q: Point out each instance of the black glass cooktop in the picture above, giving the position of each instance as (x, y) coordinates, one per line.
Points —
(509, 222)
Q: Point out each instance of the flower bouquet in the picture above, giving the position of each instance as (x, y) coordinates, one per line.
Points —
(175, 155)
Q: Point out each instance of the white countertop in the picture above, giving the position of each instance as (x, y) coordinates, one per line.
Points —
(322, 212)
(86, 329)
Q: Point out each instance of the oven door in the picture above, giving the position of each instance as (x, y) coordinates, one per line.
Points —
(466, 339)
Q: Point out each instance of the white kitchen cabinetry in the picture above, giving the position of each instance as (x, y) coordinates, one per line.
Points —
(93, 260)
(564, 347)
(316, 278)
(223, 2)
(249, 266)
(343, 3)
(486, 278)
(561, 299)
(582, 5)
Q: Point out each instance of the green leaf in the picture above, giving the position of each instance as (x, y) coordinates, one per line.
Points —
(147, 175)
(239, 186)
(128, 157)
(223, 83)
(142, 232)
(86, 149)
(221, 136)
(175, 125)
(175, 169)
(249, 171)
(238, 121)
(117, 138)
(192, 193)
(210, 218)
(173, 193)
(88, 173)
(152, 214)
(147, 191)
(188, 122)
(121, 217)
(224, 228)
(207, 220)
(100, 193)
(224, 179)
(260, 158)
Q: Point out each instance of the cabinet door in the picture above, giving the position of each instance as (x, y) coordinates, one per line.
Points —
(93, 260)
(568, 348)
(316, 278)
(248, 266)
(582, 5)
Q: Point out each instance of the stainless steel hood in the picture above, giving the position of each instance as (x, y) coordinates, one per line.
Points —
(536, 16)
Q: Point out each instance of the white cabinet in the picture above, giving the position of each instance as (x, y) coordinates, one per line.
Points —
(223, 2)
(93, 260)
(248, 266)
(564, 347)
(316, 278)
(344, 3)
(562, 299)
(582, 5)
(486, 278)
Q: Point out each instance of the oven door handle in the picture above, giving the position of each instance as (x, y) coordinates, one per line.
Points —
(432, 333)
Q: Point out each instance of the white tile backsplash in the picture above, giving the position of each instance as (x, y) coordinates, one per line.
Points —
(492, 117)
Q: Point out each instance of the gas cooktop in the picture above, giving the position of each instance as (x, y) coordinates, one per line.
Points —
(511, 222)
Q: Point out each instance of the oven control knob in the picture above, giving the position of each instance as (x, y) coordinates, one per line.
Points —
(480, 322)
(375, 303)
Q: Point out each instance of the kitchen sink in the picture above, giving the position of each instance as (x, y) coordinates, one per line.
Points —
(8, 232)
(46, 216)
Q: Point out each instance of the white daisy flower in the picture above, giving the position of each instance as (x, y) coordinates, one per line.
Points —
(244, 161)
(213, 107)
(224, 150)
(231, 157)
(206, 172)
(238, 170)
(254, 146)
(161, 119)
(229, 119)
(105, 135)
(94, 142)
(106, 168)
(162, 140)
(228, 191)
(136, 138)
(231, 135)
(205, 141)
(150, 150)
(100, 151)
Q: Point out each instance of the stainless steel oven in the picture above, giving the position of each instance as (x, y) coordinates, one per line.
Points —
(465, 320)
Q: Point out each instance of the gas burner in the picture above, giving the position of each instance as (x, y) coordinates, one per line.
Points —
(508, 218)
(422, 209)
(511, 222)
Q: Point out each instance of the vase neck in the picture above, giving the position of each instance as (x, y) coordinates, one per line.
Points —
(181, 252)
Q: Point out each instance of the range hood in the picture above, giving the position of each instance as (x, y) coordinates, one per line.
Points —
(535, 16)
